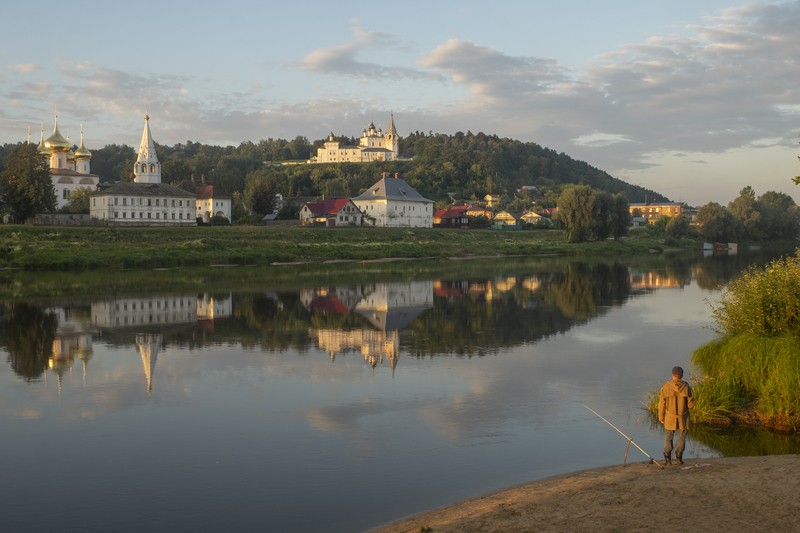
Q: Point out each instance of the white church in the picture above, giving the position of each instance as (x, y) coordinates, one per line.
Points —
(69, 170)
(145, 201)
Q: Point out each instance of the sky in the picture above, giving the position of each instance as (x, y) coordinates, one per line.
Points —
(694, 100)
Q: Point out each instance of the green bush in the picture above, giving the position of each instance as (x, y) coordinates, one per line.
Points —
(762, 301)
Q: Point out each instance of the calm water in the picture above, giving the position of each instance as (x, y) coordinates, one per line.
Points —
(338, 406)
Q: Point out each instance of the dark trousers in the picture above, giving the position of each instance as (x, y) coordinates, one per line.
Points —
(668, 437)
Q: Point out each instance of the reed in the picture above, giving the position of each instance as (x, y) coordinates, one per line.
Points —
(750, 370)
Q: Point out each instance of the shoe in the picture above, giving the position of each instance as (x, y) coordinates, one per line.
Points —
(667, 460)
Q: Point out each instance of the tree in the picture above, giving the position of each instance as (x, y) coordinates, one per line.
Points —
(745, 211)
(259, 194)
(715, 223)
(25, 184)
(780, 216)
(78, 201)
(678, 227)
(576, 211)
(620, 216)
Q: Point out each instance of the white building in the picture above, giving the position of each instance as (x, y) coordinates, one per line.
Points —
(373, 145)
(145, 201)
(69, 170)
(211, 203)
(391, 202)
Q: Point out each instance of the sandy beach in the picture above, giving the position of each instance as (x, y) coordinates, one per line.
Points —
(724, 494)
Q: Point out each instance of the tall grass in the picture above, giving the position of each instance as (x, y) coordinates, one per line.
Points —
(750, 371)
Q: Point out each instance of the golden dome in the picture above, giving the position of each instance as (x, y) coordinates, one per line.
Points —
(82, 152)
(56, 141)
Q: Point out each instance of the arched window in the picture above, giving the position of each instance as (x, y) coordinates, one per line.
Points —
(144, 167)
(152, 168)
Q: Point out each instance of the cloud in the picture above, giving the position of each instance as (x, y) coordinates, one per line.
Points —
(343, 59)
(23, 68)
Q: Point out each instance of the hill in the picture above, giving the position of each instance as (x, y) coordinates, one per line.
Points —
(440, 166)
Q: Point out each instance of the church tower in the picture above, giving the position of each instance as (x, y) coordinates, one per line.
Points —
(82, 157)
(392, 139)
(147, 168)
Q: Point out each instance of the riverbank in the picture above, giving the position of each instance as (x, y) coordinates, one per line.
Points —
(724, 494)
(67, 248)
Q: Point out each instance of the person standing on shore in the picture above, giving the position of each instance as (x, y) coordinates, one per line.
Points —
(674, 402)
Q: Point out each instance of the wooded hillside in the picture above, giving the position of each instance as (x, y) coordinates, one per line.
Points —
(463, 165)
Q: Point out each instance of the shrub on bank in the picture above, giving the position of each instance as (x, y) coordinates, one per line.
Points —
(763, 301)
(751, 372)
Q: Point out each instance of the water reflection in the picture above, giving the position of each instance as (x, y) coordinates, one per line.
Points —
(473, 316)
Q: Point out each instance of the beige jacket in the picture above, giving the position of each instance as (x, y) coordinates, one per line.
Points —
(674, 402)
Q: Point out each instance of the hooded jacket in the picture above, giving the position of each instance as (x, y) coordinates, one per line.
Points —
(674, 402)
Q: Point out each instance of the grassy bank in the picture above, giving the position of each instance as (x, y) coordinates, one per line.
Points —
(751, 373)
(56, 248)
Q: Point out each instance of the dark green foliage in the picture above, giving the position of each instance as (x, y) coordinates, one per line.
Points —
(25, 184)
(589, 215)
(715, 223)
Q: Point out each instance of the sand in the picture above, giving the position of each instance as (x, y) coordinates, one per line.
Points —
(724, 494)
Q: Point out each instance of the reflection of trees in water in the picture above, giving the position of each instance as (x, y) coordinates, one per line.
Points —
(716, 271)
(475, 326)
(28, 335)
(740, 441)
(582, 287)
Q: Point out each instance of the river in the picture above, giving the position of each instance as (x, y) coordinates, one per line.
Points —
(338, 404)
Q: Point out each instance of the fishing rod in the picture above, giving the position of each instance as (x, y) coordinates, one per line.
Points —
(630, 440)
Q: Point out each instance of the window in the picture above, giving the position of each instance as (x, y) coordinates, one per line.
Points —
(124, 201)
(93, 202)
(173, 202)
(116, 200)
(116, 214)
(65, 193)
(152, 169)
(158, 202)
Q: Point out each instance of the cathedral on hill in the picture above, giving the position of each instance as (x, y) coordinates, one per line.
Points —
(374, 145)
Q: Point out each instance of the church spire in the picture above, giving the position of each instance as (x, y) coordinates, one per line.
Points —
(147, 168)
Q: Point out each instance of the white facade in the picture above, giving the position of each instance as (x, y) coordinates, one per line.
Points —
(145, 201)
(373, 145)
(209, 204)
(69, 171)
(391, 202)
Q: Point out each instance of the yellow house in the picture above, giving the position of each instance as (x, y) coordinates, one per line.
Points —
(504, 218)
(492, 200)
(652, 211)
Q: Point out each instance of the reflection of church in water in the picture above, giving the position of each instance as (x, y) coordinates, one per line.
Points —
(143, 314)
(389, 307)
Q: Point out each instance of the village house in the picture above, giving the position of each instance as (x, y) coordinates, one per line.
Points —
(211, 203)
(454, 216)
(391, 202)
(479, 209)
(334, 212)
(532, 217)
(504, 218)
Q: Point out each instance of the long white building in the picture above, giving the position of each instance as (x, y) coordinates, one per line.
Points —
(145, 201)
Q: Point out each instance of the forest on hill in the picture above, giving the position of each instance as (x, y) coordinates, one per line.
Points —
(462, 166)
